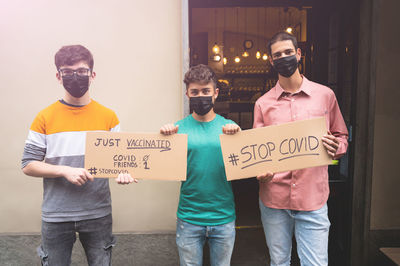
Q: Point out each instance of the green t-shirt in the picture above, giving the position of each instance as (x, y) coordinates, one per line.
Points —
(206, 196)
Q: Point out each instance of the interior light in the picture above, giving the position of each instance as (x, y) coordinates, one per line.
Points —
(215, 48)
(265, 57)
(217, 58)
(289, 30)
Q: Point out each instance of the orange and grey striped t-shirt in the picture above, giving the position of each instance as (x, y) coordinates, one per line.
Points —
(57, 136)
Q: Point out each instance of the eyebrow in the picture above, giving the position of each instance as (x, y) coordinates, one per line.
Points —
(284, 51)
(197, 89)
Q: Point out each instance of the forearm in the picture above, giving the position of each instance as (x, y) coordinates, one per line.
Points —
(41, 169)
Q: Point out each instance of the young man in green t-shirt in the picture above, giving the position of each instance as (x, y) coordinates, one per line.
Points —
(206, 208)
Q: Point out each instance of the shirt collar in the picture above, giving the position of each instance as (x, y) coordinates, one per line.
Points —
(305, 87)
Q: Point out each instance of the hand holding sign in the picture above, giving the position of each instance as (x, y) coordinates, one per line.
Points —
(125, 179)
(145, 156)
(331, 144)
(230, 129)
(278, 148)
(265, 177)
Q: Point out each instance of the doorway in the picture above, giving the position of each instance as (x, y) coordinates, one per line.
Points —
(231, 37)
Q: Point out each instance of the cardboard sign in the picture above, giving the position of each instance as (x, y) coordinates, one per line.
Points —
(279, 148)
(143, 155)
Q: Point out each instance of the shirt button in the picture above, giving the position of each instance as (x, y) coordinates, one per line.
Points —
(292, 100)
(294, 185)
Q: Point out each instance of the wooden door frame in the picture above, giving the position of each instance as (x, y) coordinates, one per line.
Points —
(363, 116)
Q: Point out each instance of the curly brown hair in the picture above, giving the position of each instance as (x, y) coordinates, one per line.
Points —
(72, 54)
(201, 74)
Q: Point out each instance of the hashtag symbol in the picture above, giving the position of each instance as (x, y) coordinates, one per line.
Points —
(93, 171)
(233, 158)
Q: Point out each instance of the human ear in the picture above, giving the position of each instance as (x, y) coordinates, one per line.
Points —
(216, 92)
(59, 77)
(298, 54)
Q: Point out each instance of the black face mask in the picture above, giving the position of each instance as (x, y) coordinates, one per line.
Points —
(286, 66)
(201, 105)
(76, 85)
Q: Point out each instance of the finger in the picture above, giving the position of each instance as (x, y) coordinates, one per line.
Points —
(118, 179)
(79, 181)
(82, 178)
(330, 150)
(259, 177)
(227, 129)
(168, 129)
(128, 179)
(269, 175)
(332, 138)
(123, 179)
(329, 147)
(164, 129)
(330, 142)
(88, 176)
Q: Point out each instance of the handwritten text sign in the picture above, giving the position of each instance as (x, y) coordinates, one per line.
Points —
(279, 148)
(143, 155)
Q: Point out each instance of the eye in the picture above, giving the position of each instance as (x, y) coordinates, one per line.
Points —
(82, 71)
(206, 91)
(67, 72)
(277, 55)
(194, 92)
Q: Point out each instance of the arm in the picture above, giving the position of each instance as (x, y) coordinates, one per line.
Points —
(33, 165)
(335, 141)
(77, 176)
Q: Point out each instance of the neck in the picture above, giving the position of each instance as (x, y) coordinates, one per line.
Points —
(291, 84)
(204, 118)
(84, 100)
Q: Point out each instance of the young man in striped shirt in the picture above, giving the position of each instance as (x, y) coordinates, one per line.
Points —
(73, 201)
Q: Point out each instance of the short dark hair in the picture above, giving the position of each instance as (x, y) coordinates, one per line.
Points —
(281, 36)
(71, 54)
(201, 74)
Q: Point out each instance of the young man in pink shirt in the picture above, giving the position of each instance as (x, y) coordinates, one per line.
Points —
(295, 201)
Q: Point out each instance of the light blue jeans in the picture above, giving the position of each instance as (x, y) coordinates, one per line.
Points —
(311, 229)
(190, 240)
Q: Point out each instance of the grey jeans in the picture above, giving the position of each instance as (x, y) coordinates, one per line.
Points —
(58, 239)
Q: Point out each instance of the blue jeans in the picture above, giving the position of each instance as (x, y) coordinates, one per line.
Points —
(190, 240)
(311, 229)
(58, 239)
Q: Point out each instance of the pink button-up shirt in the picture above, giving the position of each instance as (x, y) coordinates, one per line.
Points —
(305, 189)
